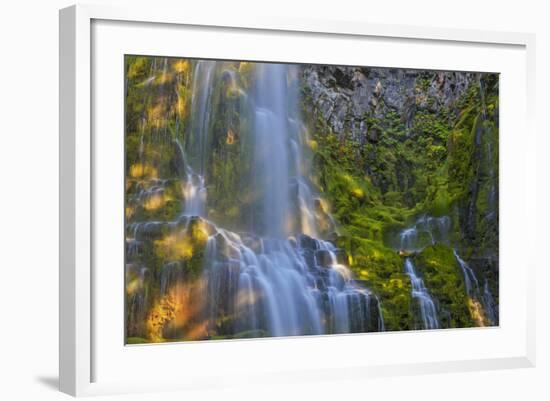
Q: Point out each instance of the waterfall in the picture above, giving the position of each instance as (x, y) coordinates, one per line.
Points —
(285, 287)
(194, 193)
(428, 313)
(470, 279)
(473, 290)
(196, 144)
(424, 232)
(427, 230)
(271, 159)
(278, 279)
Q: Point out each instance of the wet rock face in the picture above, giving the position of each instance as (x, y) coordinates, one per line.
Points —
(323, 258)
(346, 96)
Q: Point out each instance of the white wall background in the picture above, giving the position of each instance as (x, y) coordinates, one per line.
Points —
(29, 196)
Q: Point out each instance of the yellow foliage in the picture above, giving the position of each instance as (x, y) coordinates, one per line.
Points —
(156, 114)
(154, 202)
(180, 308)
(136, 66)
(346, 177)
(129, 211)
(313, 145)
(476, 311)
(140, 170)
(175, 247)
(133, 286)
(164, 78)
(180, 66)
(230, 137)
(161, 313)
(245, 69)
(181, 246)
(396, 283)
(393, 284)
(181, 105)
(358, 193)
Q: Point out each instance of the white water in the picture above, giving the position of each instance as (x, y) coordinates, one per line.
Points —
(195, 154)
(271, 148)
(473, 290)
(428, 313)
(280, 288)
(194, 193)
(470, 279)
(278, 280)
(426, 231)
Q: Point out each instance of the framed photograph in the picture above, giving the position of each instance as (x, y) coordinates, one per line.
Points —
(280, 200)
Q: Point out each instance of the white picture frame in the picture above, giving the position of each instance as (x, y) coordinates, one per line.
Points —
(78, 161)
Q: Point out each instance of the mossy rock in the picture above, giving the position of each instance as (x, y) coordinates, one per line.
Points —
(136, 340)
(445, 282)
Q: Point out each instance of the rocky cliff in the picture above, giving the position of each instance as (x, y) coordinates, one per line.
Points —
(393, 145)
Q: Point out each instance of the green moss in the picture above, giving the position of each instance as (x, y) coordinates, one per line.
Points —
(445, 282)
(381, 269)
(136, 340)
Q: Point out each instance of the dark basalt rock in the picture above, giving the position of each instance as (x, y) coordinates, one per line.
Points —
(323, 258)
(306, 242)
(344, 96)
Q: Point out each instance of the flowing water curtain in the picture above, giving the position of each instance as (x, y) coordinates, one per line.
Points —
(196, 279)
(273, 288)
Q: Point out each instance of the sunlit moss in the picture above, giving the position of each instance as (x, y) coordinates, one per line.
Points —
(140, 170)
(161, 313)
(445, 282)
(181, 66)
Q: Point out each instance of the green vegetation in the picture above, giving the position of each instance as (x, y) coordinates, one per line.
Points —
(432, 167)
(435, 155)
(440, 272)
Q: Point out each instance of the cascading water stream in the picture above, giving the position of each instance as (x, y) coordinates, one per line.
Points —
(428, 312)
(194, 190)
(473, 290)
(412, 240)
(427, 231)
(279, 279)
(470, 279)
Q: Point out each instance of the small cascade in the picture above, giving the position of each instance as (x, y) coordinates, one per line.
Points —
(428, 312)
(474, 291)
(470, 279)
(137, 300)
(194, 193)
(285, 287)
(427, 230)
